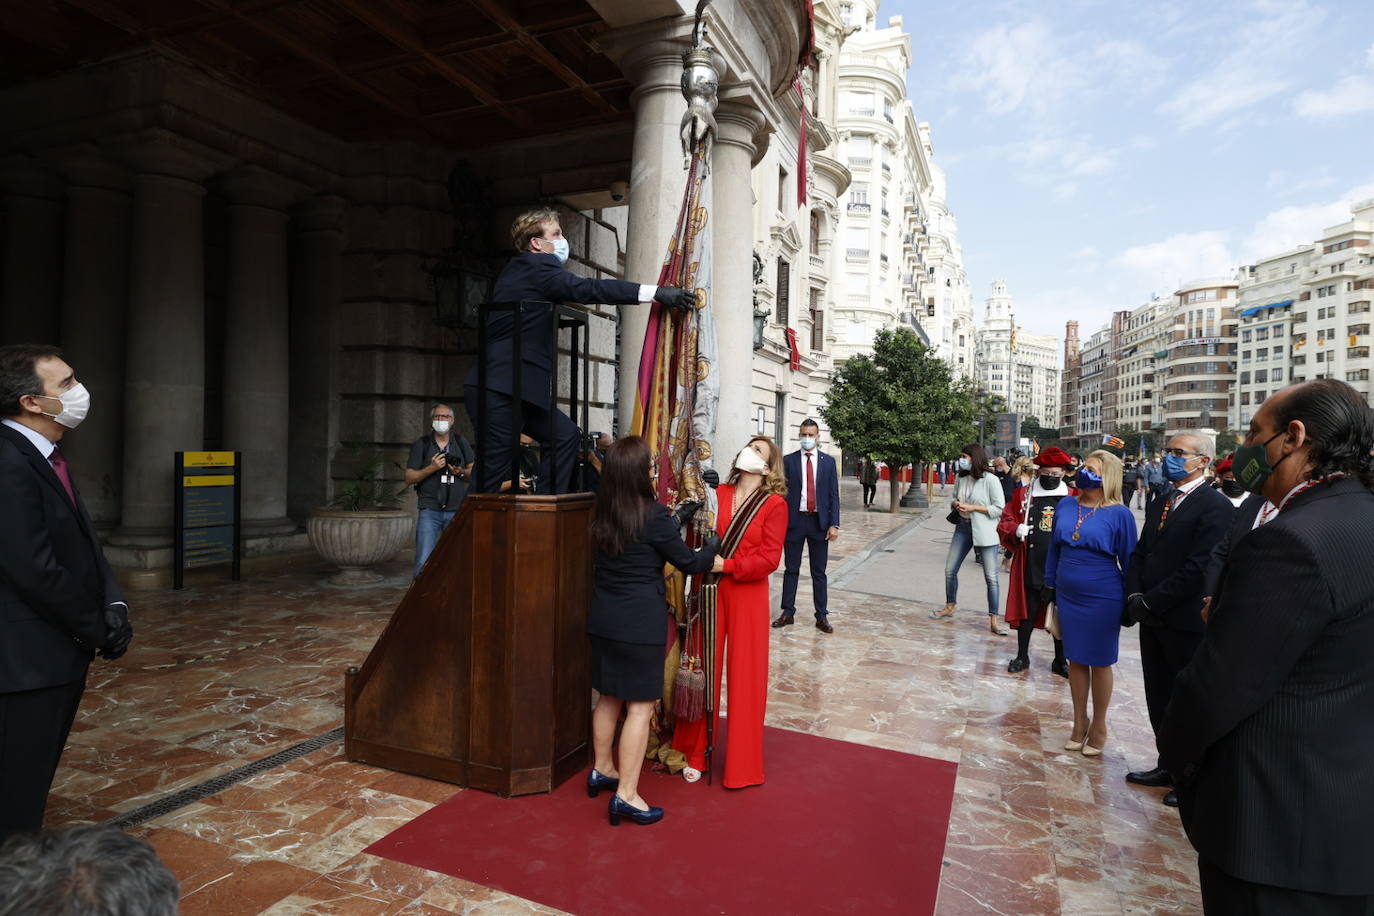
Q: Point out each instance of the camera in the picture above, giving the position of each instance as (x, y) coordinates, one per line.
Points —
(619, 190)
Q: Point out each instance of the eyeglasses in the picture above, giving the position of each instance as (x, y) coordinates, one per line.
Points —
(1180, 453)
(442, 416)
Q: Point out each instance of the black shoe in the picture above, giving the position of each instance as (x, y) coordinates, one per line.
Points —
(620, 808)
(1171, 799)
(1157, 778)
(822, 624)
(597, 781)
(1060, 667)
(1018, 664)
(784, 620)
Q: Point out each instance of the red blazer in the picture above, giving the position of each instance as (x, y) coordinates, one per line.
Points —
(760, 551)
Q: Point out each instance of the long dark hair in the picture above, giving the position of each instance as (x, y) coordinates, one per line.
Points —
(625, 496)
(977, 460)
(1339, 425)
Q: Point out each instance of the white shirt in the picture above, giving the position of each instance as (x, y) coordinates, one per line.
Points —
(41, 442)
(1268, 510)
(814, 457)
(646, 292)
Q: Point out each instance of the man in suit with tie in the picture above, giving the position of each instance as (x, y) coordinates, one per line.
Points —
(813, 521)
(1270, 731)
(537, 274)
(59, 603)
(1165, 579)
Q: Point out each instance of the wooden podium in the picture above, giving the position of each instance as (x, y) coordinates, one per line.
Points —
(482, 677)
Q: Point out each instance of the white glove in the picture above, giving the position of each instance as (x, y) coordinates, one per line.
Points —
(1022, 531)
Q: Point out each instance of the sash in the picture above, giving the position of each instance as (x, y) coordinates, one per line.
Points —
(735, 533)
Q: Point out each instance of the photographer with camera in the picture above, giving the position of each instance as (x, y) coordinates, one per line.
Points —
(439, 469)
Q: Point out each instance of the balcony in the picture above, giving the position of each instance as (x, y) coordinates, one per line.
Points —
(863, 112)
(860, 162)
(856, 254)
(817, 261)
(859, 208)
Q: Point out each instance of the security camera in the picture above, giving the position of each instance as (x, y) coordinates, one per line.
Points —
(619, 190)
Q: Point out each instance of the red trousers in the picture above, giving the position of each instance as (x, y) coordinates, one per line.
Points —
(742, 627)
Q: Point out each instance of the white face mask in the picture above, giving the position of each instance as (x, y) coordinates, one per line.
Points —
(441, 426)
(76, 403)
(750, 462)
(807, 442)
(560, 249)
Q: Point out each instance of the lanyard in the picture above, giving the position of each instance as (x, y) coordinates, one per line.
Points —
(1270, 510)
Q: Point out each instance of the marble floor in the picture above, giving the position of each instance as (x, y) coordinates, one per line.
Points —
(226, 674)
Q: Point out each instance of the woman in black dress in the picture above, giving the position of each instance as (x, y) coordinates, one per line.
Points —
(628, 623)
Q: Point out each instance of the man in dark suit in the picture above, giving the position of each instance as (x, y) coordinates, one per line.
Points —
(1270, 731)
(59, 603)
(1164, 582)
(813, 521)
(537, 274)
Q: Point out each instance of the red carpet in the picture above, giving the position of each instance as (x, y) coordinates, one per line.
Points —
(838, 828)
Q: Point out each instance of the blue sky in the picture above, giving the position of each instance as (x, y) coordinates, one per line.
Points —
(1099, 152)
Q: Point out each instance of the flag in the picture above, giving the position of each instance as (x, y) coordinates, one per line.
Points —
(1113, 442)
(1142, 451)
(1035, 447)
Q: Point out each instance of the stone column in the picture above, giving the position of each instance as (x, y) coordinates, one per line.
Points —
(31, 259)
(256, 346)
(656, 183)
(165, 368)
(732, 200)
(95, 303)
(315, 291)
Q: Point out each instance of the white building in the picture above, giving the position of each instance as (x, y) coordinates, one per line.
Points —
(902, 261)
(1096, 354)
(1201, 365)
(1331, 319)
(1021, 368)
(1265, 303)
(1145, 336)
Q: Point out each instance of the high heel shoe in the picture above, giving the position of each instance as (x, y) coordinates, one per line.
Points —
(1090, 751)
(596, 781)
(619, 808)
(1073, 745)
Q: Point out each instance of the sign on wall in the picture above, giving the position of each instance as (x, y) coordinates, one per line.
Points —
(208, 487)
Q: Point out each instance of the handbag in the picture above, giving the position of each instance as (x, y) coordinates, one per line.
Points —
(1052, 620)
(953, 517)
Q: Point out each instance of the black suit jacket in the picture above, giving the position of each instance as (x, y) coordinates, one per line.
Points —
(1169, 567)
(628, 603)
(54, 580)
(537, 277)
(1241, 523)
(1270, 729)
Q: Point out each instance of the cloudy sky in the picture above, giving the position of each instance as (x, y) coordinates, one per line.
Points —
(1100, 151)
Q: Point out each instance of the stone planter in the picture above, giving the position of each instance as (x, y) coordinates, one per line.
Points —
(357, 541)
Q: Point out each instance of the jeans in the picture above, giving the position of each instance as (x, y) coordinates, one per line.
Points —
(428, 527)
(959, 546)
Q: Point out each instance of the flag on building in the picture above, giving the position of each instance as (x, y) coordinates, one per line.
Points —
(1113, 442)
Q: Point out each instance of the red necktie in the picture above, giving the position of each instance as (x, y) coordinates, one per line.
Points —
(59, 465)
(810, 485)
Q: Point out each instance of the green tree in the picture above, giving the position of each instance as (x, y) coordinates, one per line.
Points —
(899, 405)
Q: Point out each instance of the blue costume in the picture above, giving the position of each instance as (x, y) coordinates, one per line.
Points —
(1087, 575)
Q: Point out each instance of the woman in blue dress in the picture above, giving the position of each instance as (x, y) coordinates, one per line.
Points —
(1094, 535)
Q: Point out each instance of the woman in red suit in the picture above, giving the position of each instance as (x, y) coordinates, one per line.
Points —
(742, 607)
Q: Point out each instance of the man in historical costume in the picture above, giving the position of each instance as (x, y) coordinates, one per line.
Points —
(537, 274)
(1025, 528)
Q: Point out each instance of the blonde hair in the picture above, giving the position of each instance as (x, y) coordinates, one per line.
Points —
(529, 225)
(1111, 476)
(1024, 465)
(774, 481)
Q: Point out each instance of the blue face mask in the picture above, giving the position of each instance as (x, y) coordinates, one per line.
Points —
(807, 442)
(965, 464)
(560, 250)
(1175, 468)
(1087, 480)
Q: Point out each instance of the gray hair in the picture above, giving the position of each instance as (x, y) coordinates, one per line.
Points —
(91, 870)
(446, 407)
(1203, 443)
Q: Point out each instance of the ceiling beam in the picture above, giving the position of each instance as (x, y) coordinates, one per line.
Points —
(495, 11)
(408, 39)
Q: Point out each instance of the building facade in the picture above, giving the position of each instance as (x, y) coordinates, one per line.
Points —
(1201, 366)
(1021, 368)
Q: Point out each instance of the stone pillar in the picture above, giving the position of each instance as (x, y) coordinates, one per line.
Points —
(315, 291)
(732, 268)
(31, 259)
(165, 367)
(256, 347)
(95, 303)
(656, 182)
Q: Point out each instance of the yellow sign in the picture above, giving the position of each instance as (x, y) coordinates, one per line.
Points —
(207, 459)
(209, 480)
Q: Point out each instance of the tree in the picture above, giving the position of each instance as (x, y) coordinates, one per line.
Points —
(986, 408)
(899, 405)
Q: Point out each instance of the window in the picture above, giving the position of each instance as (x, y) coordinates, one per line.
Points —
(887, 110)
(1357, 352)
(1278, 331)
(1356, 308)
(1357, 375)
(1244, 398)
(782, 189)
(1262, 334)
(817, 321)
(858, 194)
(861, 103)
(815, 232)
(784, 290)
(1245, 378)
(1278, 352)
(1277, 375)
(1262, 375)
(1357, 329)
(1245, 336)
(847, 13)
(1245, 356)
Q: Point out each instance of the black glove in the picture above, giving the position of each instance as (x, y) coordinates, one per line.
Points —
(676, 298)
(684, 512)
(118, 632)
(711, 477)
(711, 544)
(1137, 611)
(1047, 595)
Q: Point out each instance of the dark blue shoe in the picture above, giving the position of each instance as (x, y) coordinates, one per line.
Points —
(620, 808)
(598, 781)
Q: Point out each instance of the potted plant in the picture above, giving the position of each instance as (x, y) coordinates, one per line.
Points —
(363, 526)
